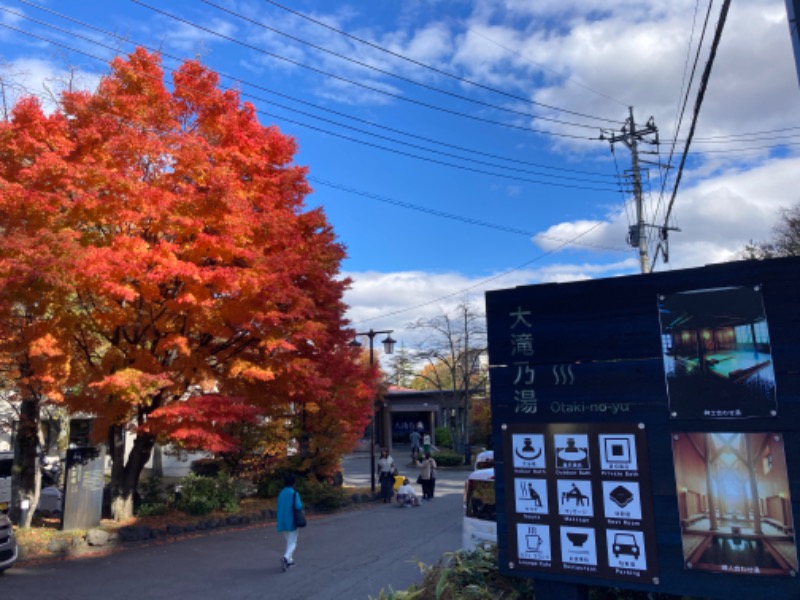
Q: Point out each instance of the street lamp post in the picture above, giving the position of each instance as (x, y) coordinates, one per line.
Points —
(388, 347)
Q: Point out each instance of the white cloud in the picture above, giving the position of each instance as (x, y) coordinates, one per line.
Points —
(383, 301)
(716, 216)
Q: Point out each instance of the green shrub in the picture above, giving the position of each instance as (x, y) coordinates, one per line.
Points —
(474, 575)
(152, 510)
(197, 506)
(152, 491)
(465, 574)
(270, 487)
(443, 437)
(207, 467)
(321, 495)
(200, 495)
(227, 494)
(448, 458)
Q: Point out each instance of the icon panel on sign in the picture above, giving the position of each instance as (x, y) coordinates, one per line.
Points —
(575, 497)
(529, 451)
(578, 546)
(533, 542)
(531, 496)
(622, 500)
(618, 453)
(626, 549)
(572, 451)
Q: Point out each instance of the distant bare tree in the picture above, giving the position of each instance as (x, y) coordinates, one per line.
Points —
(785, 240)
(452, 354)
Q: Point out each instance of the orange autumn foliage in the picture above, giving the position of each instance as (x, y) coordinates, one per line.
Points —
(162, 236)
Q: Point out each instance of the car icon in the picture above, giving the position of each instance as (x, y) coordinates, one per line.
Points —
(625, 543)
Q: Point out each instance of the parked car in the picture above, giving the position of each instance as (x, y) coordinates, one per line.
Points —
(480, 524)
(8, 544)
(484, 460)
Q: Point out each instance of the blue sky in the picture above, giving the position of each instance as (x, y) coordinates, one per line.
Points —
(454, 143)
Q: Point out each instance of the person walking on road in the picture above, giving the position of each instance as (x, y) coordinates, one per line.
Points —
(415, 438)
(428, 476)
(386, 471)
(288, 500)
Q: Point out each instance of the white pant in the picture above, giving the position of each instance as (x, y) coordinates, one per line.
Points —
(291, 544)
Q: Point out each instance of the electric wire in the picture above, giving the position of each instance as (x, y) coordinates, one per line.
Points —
(678, 125)
(349, 138)
(563, 244)
(736, 135)
(451, 216)
(483, 282)
(292, 98)
(744, 149)
(683, 93)
(416, 62)
(541, 66)
(345, 79)
(697, 105)
(713, 139)
(340, 186)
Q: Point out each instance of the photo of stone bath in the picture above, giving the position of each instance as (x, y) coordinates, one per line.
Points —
(734, 505)
(717, 356)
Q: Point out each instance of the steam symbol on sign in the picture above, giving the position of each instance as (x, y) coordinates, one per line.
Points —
(563, 374)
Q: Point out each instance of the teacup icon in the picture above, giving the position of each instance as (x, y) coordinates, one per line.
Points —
(534, 542)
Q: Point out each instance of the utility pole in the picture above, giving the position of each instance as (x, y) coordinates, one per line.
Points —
(631, 136)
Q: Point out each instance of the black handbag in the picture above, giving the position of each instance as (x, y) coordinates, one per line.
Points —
(419, 479)
(299, 515)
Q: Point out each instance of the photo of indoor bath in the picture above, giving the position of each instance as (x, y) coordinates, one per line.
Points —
(717, 355)
(734, 504)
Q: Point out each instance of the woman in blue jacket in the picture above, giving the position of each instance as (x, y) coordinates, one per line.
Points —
(287, 500)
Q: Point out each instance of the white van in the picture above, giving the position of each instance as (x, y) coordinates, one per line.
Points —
(480, 520)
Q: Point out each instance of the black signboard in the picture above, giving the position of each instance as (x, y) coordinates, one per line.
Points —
(692, 376)
(581, 500)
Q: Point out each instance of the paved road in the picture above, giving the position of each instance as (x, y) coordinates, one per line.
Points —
(350, 555)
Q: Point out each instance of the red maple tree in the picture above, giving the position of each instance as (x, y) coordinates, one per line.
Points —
(201, 290)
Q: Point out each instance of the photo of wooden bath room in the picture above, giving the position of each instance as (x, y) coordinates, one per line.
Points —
(717, 355)
(734, 505)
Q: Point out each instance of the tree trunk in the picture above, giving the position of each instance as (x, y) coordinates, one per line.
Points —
(158, 461)
(27, 477)
(125, 474)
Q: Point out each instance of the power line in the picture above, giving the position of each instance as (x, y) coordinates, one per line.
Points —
(698, 103)
(350, 138)
(411, 60)
(339, 77)
(384, 199)
(484, 281)
(674, 142)
(752, 133)
(572, 240)
(397, 76)
(541, 66)
(433, 160)
(451, 216)
(295, 99)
